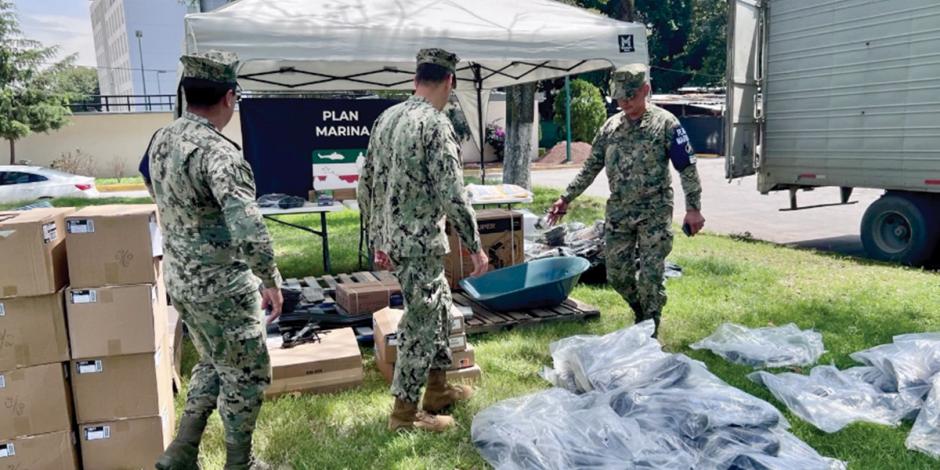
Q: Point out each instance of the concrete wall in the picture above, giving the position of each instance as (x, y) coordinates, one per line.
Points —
(106, 137)
(114, 139)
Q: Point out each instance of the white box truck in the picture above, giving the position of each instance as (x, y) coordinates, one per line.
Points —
(842, 93)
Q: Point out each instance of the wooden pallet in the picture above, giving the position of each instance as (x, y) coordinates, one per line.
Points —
(488, 321)
(323, 289)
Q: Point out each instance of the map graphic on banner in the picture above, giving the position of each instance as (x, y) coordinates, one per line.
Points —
(337, 168)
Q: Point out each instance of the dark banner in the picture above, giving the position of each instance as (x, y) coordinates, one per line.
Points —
(298, 144)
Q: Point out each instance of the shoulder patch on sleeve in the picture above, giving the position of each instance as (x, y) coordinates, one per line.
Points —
(680, 149)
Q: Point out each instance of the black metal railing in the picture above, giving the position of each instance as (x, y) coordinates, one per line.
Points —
(124, 104)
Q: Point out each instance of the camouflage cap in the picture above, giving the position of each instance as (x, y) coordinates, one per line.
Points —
(626, 80)
(214, 66)
(445, 59)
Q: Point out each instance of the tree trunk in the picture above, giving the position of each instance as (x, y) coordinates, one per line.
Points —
(625, 10)
(12, 151)
(520, 123)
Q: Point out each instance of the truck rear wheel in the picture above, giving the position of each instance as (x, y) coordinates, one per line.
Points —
(901, 227)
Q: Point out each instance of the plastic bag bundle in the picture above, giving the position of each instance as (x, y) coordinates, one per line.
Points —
(780, 346)
(831, 399)
(925, 435)
(621, 402)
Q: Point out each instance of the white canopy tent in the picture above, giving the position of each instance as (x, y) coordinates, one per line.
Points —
(333, 45)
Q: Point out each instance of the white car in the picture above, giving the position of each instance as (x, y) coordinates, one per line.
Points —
(28, 183)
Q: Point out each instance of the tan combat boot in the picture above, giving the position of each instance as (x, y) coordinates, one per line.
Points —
(406, 416)
(440, 395)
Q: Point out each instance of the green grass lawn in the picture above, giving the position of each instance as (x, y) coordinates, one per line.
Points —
(854, 303)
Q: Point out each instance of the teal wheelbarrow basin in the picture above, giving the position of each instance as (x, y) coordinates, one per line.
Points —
(542, 283)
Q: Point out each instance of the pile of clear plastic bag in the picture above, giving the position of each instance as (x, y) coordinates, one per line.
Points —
(891, 386)
(620, 401)
(780, 346)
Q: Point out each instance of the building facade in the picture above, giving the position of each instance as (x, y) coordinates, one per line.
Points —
(137, 45)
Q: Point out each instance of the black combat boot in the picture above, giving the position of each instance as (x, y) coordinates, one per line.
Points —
(183, 452)
(238, 457)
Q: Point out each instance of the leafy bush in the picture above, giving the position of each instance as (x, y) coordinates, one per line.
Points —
(496, 137)
(588, 112)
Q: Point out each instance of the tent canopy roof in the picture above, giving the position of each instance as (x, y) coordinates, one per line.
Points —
(299, 45)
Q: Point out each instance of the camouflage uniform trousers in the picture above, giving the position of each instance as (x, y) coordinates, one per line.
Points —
(425, 328)
(645, 237)
(234, 368)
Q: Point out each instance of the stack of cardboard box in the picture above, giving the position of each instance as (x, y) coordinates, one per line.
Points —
(385, 330)
(360, 298)
(121, 368)
(36, 425)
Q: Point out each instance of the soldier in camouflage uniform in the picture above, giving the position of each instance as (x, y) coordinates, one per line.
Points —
(215, 244)
(636, 146)
(411, 180)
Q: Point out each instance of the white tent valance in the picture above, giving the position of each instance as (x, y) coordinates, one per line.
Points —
(333, 45)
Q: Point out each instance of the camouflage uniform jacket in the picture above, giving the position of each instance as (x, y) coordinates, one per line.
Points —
(214, 236)
(411, 180)
(636, 156)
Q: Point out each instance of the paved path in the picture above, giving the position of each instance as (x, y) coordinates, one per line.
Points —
(737, 208)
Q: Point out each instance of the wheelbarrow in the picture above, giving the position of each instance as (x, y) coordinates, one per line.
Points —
(543, 283)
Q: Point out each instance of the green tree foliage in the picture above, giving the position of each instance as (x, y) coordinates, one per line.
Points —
(28, 101)
(588, 112)
(686, 37)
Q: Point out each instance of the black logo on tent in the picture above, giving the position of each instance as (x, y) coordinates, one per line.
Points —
(626, 43)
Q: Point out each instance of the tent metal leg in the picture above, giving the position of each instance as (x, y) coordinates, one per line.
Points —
(478, 82)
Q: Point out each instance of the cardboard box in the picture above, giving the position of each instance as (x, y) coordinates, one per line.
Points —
(467, 374)
(175, 329)
(386, 368)
(458, 324)
(116, 320)
(457, 343)
(135, 385)
(34, 242)
(385, 333)
(52, 451)
(113, 245)
(464, 359)
(33, 331)
(343, 194)
(501, 236)
(131, 443)
(332, 364)
(365, 297)
(35, 401)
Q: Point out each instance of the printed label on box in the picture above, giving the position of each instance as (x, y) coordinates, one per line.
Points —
(458, 341)
(89, 367)
(3, 381)
(391, 340)
(97, 433)
(80, 226)
(156, 358)
(49, 233)
(7, 450)
(3, 310)
(84, 296)
(455, 324)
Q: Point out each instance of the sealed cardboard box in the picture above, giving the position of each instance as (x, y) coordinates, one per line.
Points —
(129, 443)
(466, 374)
(113, 245)
(51, 451)
(331, 364)
(135, 385)
(116, 320)
(32, 331)
(343, 194)
(35, 401)
(464, 359)
(386, 368)
(501, 236)
(365, 297)
(34, 242)
(385, 333)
